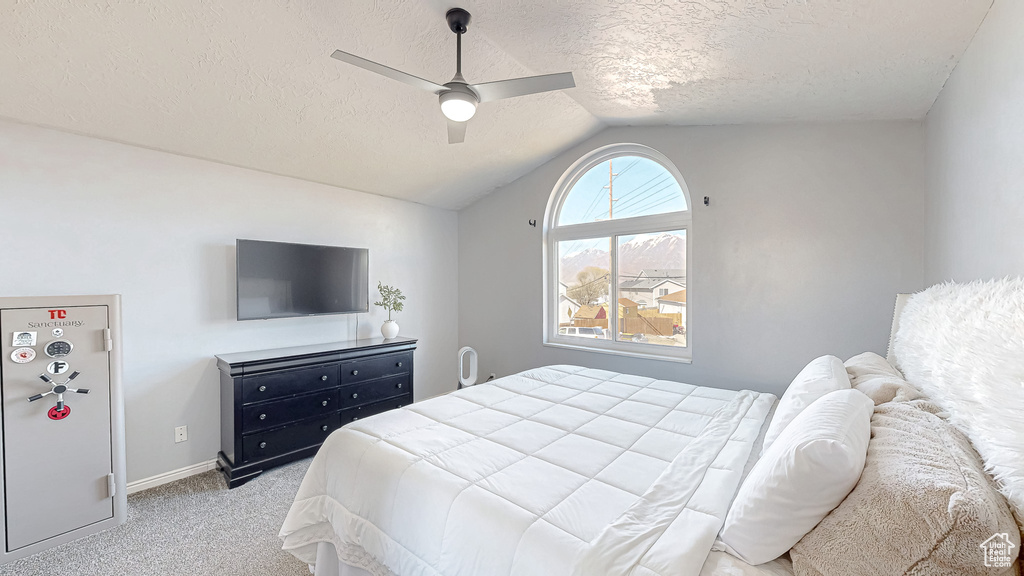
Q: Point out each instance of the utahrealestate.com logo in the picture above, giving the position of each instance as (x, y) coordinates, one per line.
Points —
(998, 550)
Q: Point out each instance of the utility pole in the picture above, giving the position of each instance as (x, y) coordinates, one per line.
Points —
(611, 200)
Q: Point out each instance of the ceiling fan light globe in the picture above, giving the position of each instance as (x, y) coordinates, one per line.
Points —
(457, 107)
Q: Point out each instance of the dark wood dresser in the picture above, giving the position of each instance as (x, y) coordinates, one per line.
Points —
(279, 405)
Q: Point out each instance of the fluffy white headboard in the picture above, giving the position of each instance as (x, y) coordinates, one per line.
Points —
(963, 346)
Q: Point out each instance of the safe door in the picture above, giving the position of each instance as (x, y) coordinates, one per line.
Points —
(55, 377)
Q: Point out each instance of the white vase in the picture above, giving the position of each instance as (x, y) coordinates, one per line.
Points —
(389, 329)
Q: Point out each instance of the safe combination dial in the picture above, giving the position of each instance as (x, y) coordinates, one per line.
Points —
(60, 411)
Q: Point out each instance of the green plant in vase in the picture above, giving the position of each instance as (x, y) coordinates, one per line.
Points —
(392, 300)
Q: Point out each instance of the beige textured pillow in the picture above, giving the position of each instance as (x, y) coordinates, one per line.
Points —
(874, 376)
(867, 364)
(924, 505)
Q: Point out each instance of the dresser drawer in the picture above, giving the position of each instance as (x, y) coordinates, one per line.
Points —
(374, 390)
(270, 443)
(265, 415)
(360, 412)
(375, 367)
(288, 383)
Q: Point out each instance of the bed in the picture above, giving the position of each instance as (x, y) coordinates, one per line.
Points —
(517, 476)
(559, 470)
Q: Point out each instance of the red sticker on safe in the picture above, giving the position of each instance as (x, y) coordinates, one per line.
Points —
(55, 414)
(23, 355)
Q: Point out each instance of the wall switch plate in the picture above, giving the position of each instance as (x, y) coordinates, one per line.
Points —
(180, 434)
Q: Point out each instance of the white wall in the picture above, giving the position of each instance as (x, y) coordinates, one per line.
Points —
(811, 232)
(975, 157)
(86, 216)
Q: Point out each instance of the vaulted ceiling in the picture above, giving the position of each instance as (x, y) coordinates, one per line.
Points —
(250, 82)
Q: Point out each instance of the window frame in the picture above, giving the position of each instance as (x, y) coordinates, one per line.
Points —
(553, 234)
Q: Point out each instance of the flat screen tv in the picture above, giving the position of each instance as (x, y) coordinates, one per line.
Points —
(284, 280)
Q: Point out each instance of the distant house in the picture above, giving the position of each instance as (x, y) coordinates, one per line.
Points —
(652, 283)
(628, 308)
(591, 316)
(591, 312)
(567, 307)
(674, 303)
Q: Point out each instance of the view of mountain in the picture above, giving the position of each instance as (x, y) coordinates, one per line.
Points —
(663, 250)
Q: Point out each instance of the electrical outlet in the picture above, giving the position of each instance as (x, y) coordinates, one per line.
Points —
(180, 434)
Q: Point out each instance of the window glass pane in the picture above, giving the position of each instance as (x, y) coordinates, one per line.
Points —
(622, 187)
(584, 287)
(652, 288)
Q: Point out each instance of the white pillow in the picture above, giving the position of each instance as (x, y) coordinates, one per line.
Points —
(807, 472)
(821, 376)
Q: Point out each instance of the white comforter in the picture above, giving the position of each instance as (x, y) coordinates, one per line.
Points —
(560, 470)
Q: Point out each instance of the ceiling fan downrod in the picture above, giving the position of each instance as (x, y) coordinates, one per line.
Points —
(458, 22)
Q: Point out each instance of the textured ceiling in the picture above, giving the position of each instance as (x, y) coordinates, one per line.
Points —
(251, 83)
(737, 61)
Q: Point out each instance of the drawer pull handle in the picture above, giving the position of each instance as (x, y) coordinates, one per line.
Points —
(399, 364)
(354, 396)
(355, 418)
(263, 416)
(324, 378)
(399, 385)
(263, 444)
(324, 403)
(355, 372)
(400, 405)
(263, 388)
(324, 428)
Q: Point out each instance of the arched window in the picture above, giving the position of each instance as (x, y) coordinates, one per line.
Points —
(616, 241)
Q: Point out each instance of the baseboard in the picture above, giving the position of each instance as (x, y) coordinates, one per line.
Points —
(167, 477)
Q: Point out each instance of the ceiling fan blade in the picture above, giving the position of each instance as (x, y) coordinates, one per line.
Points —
(501, 89)
(456, 132)
(386, 71)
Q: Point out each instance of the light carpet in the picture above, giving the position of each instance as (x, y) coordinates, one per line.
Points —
(194, 526)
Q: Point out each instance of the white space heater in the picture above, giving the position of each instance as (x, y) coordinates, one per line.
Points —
(467, 354)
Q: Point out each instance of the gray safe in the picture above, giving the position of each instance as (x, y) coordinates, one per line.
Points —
(62, 472)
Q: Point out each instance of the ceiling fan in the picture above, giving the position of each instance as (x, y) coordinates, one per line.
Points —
(458, 98)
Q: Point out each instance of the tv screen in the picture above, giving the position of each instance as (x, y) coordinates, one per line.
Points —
(283, 280)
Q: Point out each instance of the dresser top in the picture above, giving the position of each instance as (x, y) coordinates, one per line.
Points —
(328, 351)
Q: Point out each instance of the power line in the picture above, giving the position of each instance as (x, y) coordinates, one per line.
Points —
(599, 195)
(655, 202)
(659, 177)
(653, 199)
(647, 192)
(593, 203)
(631, 164)
(646, 196)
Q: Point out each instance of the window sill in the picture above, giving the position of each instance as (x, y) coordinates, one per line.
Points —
(641, 354)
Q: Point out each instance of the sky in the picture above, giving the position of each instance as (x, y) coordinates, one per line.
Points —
(640, 186)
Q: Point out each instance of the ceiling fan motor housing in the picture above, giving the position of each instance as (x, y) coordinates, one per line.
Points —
(458, 20)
